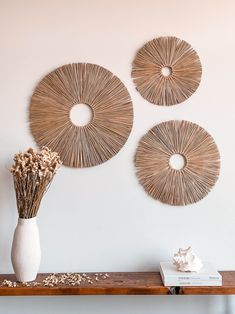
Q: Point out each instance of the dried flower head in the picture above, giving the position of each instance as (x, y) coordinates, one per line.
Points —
(32, 173)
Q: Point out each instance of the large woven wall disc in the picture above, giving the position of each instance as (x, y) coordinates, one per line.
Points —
(166, 71)
(177, 186)
(92, 85)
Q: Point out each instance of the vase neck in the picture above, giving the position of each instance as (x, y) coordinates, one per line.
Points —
(27, 221)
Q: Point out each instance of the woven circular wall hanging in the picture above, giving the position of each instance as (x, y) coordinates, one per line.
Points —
(92, 85)
(201, 162)
(166, 71)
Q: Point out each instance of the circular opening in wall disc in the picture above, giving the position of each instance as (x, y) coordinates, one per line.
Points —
(166, 71)
(81, 114)
(177, 161)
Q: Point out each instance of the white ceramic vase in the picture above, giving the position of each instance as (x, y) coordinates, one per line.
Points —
(26, 250)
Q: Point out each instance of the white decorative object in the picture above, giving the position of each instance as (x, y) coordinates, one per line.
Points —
(187, 260)
(206, 276)
(26, 250)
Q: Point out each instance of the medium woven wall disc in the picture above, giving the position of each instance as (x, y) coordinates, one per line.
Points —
(183, 71)
(81, 83)
(184, 186)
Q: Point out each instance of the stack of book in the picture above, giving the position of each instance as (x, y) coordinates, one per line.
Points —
(207, 276)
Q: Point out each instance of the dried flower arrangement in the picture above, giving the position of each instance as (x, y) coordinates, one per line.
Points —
(32, 173)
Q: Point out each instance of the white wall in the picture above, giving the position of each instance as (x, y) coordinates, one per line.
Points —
(100, 219)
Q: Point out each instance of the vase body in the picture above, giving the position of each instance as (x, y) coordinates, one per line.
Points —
(26, 250)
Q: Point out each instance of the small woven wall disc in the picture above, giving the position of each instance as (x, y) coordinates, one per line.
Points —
(171, 55)
(184, 186)
(92, 85)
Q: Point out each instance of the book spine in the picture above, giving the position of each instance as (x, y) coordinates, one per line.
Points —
(162, 275)
(193, 283)
(202, 278)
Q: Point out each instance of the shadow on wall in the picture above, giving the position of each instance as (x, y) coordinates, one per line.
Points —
(117, 305)
(8, 214)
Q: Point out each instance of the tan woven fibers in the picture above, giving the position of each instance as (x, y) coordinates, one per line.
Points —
(59, 91)
(182, 61)
(177, 187)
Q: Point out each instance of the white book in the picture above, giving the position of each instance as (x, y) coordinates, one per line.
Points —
(185, 283)
(207, 276)
(192, 282)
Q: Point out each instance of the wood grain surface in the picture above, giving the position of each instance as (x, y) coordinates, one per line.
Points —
(128, 283)
(141, 283)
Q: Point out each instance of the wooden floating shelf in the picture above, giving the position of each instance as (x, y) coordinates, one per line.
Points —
(127, 283)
